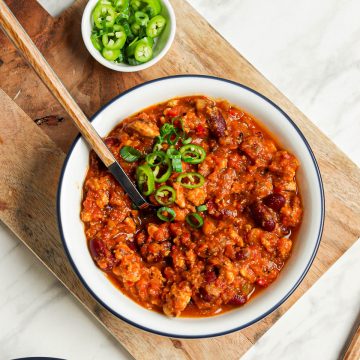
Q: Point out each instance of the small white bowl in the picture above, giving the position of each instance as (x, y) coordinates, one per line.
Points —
(161, 47)
(305, 246)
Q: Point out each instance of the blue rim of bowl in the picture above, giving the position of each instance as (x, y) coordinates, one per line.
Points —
(273, 308)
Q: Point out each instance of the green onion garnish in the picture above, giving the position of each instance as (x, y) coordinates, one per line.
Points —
(177, 165)
(187, 141)
(130, 154)
(201, 208)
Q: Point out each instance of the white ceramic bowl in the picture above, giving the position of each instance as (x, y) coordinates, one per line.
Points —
(305, 248)
(162, 43)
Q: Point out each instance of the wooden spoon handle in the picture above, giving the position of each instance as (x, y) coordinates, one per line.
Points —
(22, 41)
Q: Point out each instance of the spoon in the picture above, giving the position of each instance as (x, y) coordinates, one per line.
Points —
(31, 53)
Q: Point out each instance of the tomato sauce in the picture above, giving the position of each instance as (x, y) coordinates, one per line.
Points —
(253, 210)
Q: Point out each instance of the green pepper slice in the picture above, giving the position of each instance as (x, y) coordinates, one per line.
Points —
(153, 7)
(104, 16)
(130, 51)
(155, 158)
(168, 216)
(143, 52)
(165, 195)
(122, 7)
(114, 40)
(172, 153)
(161, 174)
(111, 55)
(193, 154)
(155, 26)
(141, 18)
(194, 220)
(191, 180)
(96, 41)
(145, 179)
(135, 28)
(135, 4)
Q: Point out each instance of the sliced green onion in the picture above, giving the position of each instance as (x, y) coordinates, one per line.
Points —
(166, 129)
(165, 195)
(187, 141)
(130, 154)
(173, 138)
(166, 214)
(179, 130)
(157, 145)
(191, 180)
(177, 165)
(194, 220)
(201, 208)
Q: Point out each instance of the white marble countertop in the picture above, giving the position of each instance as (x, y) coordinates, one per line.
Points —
(311, 52)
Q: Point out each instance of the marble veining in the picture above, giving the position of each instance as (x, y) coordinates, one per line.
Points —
(310, 50)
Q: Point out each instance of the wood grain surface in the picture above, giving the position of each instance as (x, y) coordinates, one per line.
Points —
(28, 49)
(27, 202)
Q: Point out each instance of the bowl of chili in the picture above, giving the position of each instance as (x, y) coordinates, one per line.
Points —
(148, 158)
(128, 35)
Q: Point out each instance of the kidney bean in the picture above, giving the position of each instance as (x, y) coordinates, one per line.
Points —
(262, 282)
(112, 141)
(268, 225)
(131, 245)
(238, 300)
(97, 248)
(242, 254)
(216, 122)
(262, 216)
(204, 295)
(274, 201)
(210, 276)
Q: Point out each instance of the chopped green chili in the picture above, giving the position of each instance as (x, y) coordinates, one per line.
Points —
(165, 195)
(193, 154)
(194, 220)
(166, 214)
(191, 180)
(145, 179)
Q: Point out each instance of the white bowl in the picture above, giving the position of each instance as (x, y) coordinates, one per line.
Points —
(305, 247)
(162, 43)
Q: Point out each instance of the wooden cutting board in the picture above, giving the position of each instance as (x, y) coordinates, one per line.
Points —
(30, 161)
